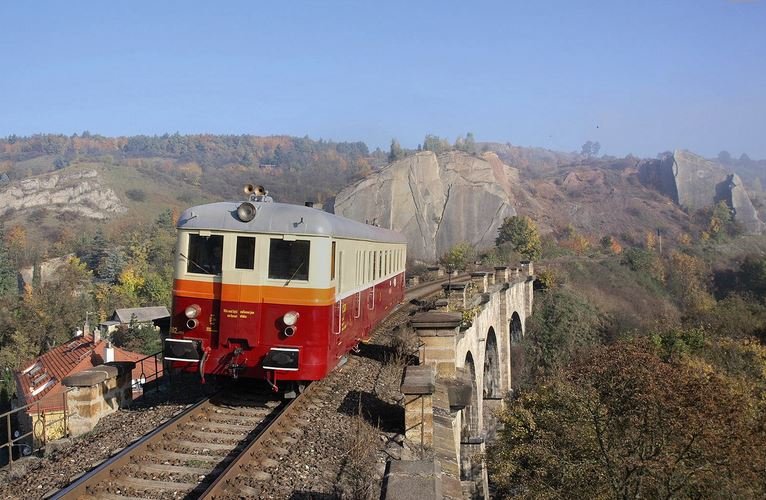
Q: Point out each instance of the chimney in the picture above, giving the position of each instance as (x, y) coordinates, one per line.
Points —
(108, 353)
(96, 335)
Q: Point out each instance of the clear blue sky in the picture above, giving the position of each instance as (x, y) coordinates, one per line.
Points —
(638, 76)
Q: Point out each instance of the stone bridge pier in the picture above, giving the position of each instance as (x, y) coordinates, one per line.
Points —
(465, 372)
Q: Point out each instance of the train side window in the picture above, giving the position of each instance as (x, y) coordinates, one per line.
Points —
(366, 276)
(205, 254)
(374, 264)
(289, 260)
(332, 262)
(245, 252)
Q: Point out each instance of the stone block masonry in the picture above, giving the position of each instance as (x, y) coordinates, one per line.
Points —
(418, 388)
(452, 397)
(97, 392)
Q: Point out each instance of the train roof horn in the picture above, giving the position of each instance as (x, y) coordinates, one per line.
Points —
(257, 193)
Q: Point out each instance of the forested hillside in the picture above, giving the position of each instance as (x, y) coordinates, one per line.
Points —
(295, 169)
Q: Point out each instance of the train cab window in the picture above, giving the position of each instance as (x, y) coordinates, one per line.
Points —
(289, 260)
(245, 252)
(205, 254)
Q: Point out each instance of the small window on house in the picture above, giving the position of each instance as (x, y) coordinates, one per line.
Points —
(33, 368)
(245, 252)
(39, 379)
(205, 254)
(289, 260)
(38, 390)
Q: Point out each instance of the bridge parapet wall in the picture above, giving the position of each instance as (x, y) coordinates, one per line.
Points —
(468, 372)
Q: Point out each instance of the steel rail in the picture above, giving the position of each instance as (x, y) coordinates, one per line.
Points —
(220, 484)
(78, 487)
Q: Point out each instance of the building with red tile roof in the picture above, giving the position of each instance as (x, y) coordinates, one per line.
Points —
(40, 380)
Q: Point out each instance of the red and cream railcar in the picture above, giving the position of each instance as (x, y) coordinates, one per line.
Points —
(277, 292)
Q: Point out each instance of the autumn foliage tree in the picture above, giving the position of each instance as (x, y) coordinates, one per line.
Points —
(458, 257)
(521, 232)
(52, 311)
(721, 220)
(688, 281)
(623, 423)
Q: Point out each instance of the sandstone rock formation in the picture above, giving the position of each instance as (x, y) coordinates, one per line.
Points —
(81, 192)
(694, 183)
(435, 201)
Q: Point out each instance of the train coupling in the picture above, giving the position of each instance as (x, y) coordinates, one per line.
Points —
(235, 366)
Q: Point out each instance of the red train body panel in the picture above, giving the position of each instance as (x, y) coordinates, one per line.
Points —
(251, 300)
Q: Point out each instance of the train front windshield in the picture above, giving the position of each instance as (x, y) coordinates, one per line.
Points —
(205, 255)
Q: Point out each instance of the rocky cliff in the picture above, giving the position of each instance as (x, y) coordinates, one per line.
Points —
(435, 201)
(694, 183)
(82, 192)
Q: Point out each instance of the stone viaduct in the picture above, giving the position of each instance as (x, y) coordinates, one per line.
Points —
(465, 371)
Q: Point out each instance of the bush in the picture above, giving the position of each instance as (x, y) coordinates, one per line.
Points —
(562, 324)
(136, 194)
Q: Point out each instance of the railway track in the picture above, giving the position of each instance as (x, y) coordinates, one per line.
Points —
(183, 456)
(248, 475)
(221, 447)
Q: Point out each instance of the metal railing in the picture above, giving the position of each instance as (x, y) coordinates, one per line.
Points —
(146, 383)
(27, 429)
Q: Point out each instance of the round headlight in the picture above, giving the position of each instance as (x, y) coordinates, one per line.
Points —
(192, 311)
(290, 318)
(246, 212)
